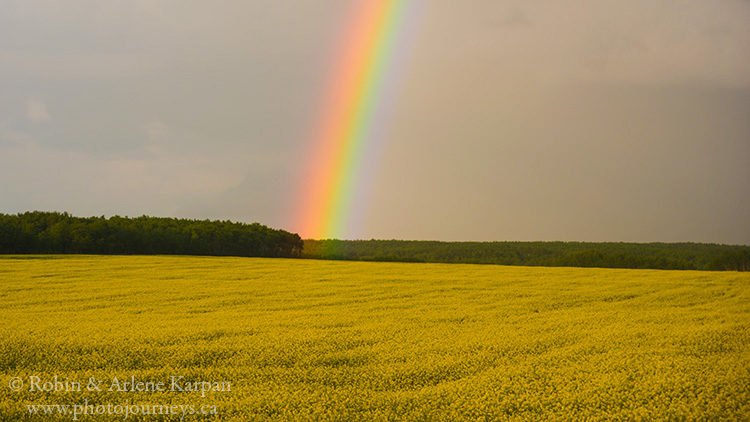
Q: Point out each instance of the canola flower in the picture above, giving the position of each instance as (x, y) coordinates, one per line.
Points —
(359, 341)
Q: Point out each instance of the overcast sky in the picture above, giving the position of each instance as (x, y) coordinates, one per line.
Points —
(515, 120)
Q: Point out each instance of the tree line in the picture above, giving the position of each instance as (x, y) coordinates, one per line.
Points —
(54, 232)
(668, 256)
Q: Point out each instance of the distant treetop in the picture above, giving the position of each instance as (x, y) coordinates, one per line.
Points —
(667, 256)
(55, 232)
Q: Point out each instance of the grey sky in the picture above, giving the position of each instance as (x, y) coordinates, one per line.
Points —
(517, 120)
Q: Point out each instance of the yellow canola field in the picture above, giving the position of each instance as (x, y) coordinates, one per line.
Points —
(349, 341)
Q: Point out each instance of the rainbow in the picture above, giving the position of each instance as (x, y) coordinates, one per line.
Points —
(348, 135)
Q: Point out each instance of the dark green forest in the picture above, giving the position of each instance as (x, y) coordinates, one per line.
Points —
(668, 256)
(60, 233)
